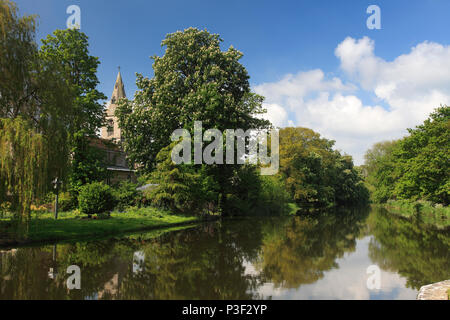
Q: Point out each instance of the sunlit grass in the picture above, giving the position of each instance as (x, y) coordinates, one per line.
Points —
(72, 225)
(436, 215)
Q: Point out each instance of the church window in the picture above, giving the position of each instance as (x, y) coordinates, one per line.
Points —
(110, 128)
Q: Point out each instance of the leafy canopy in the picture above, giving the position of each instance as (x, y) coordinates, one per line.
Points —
(193, 81)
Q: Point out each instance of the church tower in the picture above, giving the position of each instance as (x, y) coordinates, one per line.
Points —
(112, 130)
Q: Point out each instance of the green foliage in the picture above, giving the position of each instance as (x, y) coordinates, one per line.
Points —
(178, 185)
(378, 167)
(273, 197)
(418, 252)
(425, 211)
(126, 195)
(67, 202)
(23, 164)
(88, 163)
(245, 194)
(194, 81)
(18, 62)
(47, 96)
(415, 167)
(315, 174)
(95, 198)
(65, 54)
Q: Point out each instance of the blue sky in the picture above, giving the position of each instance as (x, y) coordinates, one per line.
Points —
(289, 44)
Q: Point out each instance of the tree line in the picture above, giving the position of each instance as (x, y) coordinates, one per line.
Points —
(416, 167)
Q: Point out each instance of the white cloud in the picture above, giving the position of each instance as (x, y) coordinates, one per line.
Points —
(276, 114)
(411, 85)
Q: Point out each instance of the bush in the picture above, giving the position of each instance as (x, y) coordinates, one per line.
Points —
(66, 202)
(95, 198)
(126, 195)
(274, 198)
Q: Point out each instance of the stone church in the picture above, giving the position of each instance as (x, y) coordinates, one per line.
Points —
(111, 138)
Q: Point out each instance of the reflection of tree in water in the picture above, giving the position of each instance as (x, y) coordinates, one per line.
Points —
(24, 275)
(38, 273)
(197, 265)
(417, 252)
(301, 250)
(209, 262)
(201, 263)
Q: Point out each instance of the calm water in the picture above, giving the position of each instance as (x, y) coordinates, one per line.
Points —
(325, 257)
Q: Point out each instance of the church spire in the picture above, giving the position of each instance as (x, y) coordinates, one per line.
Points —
(119, 89)
(112, 129)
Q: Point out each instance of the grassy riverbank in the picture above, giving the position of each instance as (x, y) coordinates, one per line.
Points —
(72, 226)
(436, 215)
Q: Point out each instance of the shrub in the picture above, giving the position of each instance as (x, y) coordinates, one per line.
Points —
(95, 198)
(126, 195)
(67, 202)
(5, 208)
(274, 198)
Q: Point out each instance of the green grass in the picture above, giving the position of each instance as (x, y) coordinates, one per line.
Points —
(436, 215)
(71, 226)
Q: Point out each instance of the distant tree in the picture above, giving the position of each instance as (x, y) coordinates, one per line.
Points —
(379, 169)
(314, 173)
(415, 167)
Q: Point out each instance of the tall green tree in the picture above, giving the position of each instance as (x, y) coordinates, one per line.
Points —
(65, 55)
(423, 163)
(193, 81)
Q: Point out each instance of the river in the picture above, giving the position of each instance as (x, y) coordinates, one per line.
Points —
(349, 254)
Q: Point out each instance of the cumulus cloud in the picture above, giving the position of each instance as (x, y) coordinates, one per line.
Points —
(407, 89)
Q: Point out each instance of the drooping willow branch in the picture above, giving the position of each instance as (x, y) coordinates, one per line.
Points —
(23, 165)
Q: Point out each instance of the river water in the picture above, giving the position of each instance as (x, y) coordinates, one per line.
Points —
(363, 254)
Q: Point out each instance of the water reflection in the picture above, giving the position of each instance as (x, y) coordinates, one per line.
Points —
(295, 257)
(409, 248)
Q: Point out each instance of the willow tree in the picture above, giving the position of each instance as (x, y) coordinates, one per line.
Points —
(18, 60)
(32, 134)
(22, 148)
(23, 163)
